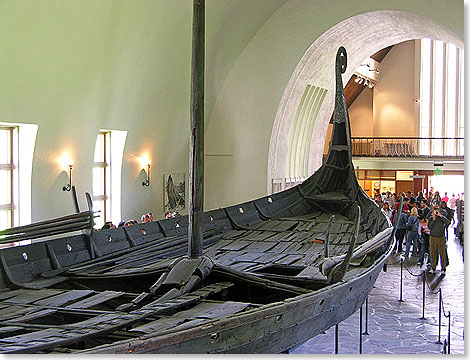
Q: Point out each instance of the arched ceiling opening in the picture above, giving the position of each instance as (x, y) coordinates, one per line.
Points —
(362, 35)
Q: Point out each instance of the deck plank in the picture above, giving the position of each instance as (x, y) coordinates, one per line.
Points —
(95, 299)
(13, 293)
(289, 259)
(33, 295)
(64, 298)
(260, 246)
(196, 314)
(236, 245)
(14, 311)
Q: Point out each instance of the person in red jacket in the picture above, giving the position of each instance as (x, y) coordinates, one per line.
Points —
(406, 201)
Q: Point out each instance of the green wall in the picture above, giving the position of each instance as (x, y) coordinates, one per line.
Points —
(73, 67)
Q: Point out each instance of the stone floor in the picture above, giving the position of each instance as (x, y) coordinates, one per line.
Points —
(396, 327)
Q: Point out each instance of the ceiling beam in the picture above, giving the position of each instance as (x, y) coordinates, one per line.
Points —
(352, 89)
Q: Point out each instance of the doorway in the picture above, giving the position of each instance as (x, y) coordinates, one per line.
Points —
(452, 184)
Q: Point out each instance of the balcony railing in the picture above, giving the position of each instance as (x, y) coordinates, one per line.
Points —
(408, 147)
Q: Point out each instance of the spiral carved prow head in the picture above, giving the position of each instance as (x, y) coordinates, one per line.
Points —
(341, 60)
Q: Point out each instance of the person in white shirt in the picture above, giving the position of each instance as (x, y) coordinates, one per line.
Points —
(453, 205)
(387, 211)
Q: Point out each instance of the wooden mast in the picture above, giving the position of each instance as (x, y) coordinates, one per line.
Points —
(196, 161)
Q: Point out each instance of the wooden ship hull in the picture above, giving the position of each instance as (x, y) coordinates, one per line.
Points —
(274, 273)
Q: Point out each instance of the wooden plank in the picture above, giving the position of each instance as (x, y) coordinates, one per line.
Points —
(289, 259)
(28, 337)
(9, 329)
(236, 245)
(45, 282)
(254, 267)
(14, 311)
(161, 324)
(280, 247)
(269, 257)
(33, 315)
(278, 237)
(248, 256)
(315, 249)
(213, 310)
(13, 293)
(188, 299)
(220, 244)
(243, 265)
(261, 246)
(260, 225)
(33, 295)
(209, 290)
(64, 298)
(259, 236)
(306, 226)
(95, 300)
(226, 257)
(99, 322)
(293, 248)
(286, 225)
(237, 234)
(202, 311)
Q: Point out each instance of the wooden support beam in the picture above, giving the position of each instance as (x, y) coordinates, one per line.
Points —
(196, 162)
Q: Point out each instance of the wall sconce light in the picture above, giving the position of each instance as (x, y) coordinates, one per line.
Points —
(147, 181)
(68, 186)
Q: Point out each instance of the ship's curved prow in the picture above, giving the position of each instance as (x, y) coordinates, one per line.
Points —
(336, 177)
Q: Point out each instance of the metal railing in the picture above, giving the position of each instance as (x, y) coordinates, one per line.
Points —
(407, 147)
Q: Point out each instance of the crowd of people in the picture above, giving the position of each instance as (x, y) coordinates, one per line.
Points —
(148, 217)
(422, 227)
(144, 219)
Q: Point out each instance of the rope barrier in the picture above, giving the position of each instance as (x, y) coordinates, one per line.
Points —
(441, 304)
(415, 275)
(399, 259)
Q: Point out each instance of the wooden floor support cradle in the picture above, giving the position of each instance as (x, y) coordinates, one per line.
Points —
(263, 283)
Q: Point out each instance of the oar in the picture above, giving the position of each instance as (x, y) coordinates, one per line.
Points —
(339, 270)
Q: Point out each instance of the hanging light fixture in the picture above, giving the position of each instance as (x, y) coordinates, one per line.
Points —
(68, 186)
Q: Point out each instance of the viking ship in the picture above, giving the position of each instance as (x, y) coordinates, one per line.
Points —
(275, 271)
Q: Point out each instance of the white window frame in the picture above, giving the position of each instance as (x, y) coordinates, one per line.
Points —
(12, 187)
(111, 176)
(446, 106)
(104, 168)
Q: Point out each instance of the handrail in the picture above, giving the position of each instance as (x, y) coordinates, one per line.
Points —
(407, 146)
(405, 137)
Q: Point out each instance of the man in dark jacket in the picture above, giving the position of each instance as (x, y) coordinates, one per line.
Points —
(449, 214)
(401, 230)
(437, 226)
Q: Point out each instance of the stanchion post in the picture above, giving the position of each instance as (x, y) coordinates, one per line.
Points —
(360, 330)
(444, 348)
(448, 336)
(336, 339)
(366, 332)
(424, 294)
(401, 280)
(440, 317)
